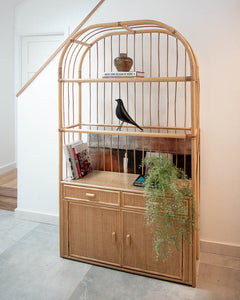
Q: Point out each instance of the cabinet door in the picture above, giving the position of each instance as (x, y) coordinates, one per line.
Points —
(94, 233)
(138, 251)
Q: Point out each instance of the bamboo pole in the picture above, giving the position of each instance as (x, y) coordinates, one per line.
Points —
(128, 28)
(159, 85)
(194, 234)
(128, 126)
(60, 47)
(185, 88)
(175, 100)
(128, 133)
(167, 81)
(126, 155)
(81, 43)
(111, 155)
(159, 88)
(128, 79)
(135, 103)
(60, 159)
(167, 29)
(104, 103)
(90, 98)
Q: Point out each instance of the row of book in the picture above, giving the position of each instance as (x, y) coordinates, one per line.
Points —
(123, 74)
(78, 159)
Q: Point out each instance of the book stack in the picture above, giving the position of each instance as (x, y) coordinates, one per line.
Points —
(78, 159)
(132, 74)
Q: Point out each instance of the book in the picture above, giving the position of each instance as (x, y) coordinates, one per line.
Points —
(84, 160)
(78, 159)
(123, 74)
(76, 147)
(77, 162)
(68, 160)
(71, 161)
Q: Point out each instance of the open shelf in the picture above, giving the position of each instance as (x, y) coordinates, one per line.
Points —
(148, 131)
(128, 133)
(106, 179)
(127, 79)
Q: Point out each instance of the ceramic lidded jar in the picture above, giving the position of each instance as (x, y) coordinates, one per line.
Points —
(123, 63)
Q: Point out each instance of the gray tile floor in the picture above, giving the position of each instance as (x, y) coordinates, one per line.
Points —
(30, 268)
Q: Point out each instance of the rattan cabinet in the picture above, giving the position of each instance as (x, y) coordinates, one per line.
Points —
(102, 214)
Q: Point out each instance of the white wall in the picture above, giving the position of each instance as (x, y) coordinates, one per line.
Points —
(38, 145)
(37, 106)
(7, 99)
(212, 28)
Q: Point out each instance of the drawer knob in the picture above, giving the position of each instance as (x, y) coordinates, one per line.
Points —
(128, 240)
(90, 195)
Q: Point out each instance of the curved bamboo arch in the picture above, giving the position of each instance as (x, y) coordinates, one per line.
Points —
(126, 27)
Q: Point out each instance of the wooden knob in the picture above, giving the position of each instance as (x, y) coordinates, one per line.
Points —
(128, 240)
(114, 237)
(90, 195)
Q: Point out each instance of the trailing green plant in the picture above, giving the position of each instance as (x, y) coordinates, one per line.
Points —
(168, 191)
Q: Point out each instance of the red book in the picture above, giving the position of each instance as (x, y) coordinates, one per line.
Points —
(77, 162)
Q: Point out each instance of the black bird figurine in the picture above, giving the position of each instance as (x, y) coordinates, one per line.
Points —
(123, 115)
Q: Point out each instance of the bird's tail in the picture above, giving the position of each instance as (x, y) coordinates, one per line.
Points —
(140, 128)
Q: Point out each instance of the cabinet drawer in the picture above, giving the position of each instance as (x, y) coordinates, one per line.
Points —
(134, 200)
(91, 194)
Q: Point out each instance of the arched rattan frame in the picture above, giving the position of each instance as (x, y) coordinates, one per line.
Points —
(72, 77)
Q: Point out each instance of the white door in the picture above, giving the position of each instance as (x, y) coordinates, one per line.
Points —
(36, 49)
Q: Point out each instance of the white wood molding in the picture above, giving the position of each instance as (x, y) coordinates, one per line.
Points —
(8, 167)
(37, 216)
(220, 248)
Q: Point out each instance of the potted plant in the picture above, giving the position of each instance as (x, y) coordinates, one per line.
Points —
(170, 205)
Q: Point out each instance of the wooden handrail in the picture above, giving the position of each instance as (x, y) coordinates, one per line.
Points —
(60, 48)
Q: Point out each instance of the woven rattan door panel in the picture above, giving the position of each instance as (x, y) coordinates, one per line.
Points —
(94, 233)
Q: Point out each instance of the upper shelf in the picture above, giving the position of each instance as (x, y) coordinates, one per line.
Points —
(148, 131)
(131, 79)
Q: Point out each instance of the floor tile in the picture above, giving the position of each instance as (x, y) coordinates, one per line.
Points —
(106, 284)
(5, 212)
(219, 292)
(218, 275)
(32, 268)
(12, 229)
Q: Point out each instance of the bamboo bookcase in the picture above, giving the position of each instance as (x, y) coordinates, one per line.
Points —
(165, 103)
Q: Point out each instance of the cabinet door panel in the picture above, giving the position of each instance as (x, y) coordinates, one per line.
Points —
(94, 233)
(138, 252)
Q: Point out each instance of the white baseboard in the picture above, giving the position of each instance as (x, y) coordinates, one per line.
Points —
(220, 248)
(8, 167)
(37, 216)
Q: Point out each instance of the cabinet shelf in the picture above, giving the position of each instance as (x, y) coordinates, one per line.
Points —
(106, 179)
